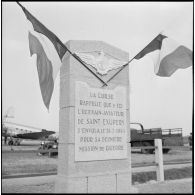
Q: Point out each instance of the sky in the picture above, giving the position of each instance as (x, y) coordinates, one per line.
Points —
(154, 101)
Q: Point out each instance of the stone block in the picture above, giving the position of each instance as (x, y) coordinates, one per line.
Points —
(68, 166)
(128, 98)
(67, 87)
(65, 67)
(128, 126)
(89, 46)
(102, 184)
(73, 66)
(124, 182)
(66, 125)
(63, 159)
(67, 97)
(97, 176)
(121, 77)
(70, 185)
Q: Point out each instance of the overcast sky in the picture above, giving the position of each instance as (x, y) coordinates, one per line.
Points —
(154, 101)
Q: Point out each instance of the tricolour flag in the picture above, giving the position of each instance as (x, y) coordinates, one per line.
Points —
(167, 54)
(50, 51)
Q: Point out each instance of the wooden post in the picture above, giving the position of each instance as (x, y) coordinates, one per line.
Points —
(159, 160)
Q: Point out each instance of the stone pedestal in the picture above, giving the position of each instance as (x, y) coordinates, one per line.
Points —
(91, 176)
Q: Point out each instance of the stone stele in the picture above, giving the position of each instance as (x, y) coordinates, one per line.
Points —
(94, 152)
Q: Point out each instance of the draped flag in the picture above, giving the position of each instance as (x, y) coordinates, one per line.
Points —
(50, 51)
(168, 55)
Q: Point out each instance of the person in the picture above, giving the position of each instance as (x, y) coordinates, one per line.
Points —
(5, 134)
(5, 140)
(11, 142)
(190, 139)
(42, 146)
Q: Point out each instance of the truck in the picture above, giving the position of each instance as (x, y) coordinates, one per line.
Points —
(138, 137)
(146, 137)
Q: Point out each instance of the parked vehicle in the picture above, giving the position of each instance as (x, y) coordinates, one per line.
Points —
(50, 148)
(139, 137)
(146, 137)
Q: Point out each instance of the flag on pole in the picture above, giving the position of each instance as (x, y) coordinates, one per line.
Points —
(44, 68)
(50, 51)
(167, 54)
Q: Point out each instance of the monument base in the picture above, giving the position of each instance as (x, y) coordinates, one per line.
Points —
(109, 183)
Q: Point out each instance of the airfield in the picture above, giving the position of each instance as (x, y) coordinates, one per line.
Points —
(25, 162)
(21, 161)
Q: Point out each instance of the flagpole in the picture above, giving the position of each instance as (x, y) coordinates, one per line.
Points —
(74, 55)
(126, 64)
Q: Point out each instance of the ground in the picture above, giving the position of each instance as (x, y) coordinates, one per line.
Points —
(181, 186)
(26, 162)
(46, 184)
(30, 162)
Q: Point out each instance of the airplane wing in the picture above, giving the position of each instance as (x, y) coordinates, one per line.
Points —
(24, 132)
(34, 135)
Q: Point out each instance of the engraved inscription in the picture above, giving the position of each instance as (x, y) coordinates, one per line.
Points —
(100, 123)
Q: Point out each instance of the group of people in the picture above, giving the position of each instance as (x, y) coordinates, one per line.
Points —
(10, 142)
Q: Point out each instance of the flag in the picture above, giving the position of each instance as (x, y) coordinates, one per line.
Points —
(167, 54)
(44, 68)
(50, 51)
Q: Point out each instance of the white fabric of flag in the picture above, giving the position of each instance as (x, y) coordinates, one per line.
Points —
(167, 55)
(171, 57)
